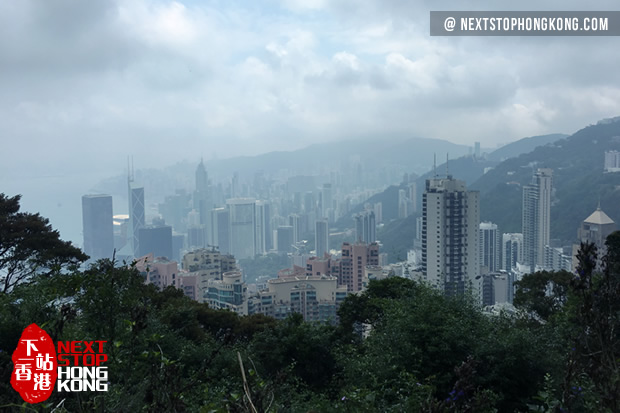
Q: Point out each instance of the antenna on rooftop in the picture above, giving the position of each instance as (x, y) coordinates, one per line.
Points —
(435, 165)
(447, 169)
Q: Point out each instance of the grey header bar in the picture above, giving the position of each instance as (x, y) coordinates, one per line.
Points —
(525, 23)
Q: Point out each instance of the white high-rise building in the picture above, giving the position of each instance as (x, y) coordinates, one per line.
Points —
(489, 247)
(537, 218)
(242, 227)
(366, 227)
(263, 227)
(451, 216)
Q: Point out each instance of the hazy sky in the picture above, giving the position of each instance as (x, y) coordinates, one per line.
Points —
(167, 80)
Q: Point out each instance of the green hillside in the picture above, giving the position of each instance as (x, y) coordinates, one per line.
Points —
(578, 181)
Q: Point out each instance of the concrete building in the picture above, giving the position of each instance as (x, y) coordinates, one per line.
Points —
(285, 239)
(156, 240)
(512, 251)
(489, 248)
(321, 240)
(366, 227)
(354, 258)
(316, 298)
(220, 229)
(98, 226)
(263, 227)
(450, 236)
(228, 293)
(612, 161)
(207, 264)
(295, 222)
(594, 229)
(242, 227)
(402, 204)
(537, 218)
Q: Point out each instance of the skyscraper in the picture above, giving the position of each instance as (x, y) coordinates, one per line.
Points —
(285, 239)
(97, 225)
(220, 229)
(321, 237)
(136, 214)
(365, 227)
(242, 227)
(512, 250)
(156, 240)
(263, 227)
(326, 200)
(489, 247)
(450, 220)
(536, 218)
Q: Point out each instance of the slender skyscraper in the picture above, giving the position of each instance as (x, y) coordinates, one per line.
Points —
(489, 247)
(97, 225)
(321, 237)
(450, 237)
(365, 227)
(537, 218)
(136, 212)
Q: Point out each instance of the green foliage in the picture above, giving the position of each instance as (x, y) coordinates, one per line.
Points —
(398, 346)
(29, 246)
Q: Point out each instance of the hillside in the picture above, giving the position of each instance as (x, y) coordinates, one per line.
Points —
(524, 145)
(578, 181)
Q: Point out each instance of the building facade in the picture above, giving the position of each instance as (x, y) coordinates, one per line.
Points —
(98, 226)
(536, 220)
(450, 235)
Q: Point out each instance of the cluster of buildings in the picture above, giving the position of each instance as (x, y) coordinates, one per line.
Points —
(460, 253)
(453, 250)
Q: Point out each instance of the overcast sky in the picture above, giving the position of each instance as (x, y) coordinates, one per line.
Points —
(168, 80)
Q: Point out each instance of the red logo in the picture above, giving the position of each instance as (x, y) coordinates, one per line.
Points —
(35, 367)
(78, 366)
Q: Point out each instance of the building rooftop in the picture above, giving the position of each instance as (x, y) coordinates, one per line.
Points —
(599, 217)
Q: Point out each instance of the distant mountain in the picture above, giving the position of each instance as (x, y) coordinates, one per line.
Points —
(467, 168)
(524, 145)
(578, 180)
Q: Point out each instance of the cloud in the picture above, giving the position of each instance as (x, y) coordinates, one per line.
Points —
(85, 84)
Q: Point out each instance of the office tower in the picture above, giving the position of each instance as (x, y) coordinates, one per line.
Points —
(450, 219)
(594, 229)
(489, 247)
(156, 240)
(402, 203)
(378, 208)
(321, 240)
(477, 149)
(326, 200)
(97, 225)
(220, 229)
(355, 258)
(512, 250)
(412, 205)
(536, 218)
(242, 227)
(136, 214)
(365, 227)
(285, 239)
(294, 221)
(263, 227)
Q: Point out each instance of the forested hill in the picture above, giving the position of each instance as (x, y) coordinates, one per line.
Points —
(578, 179)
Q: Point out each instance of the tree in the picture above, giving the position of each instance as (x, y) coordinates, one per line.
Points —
(29, 246)
(543, 293)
